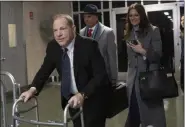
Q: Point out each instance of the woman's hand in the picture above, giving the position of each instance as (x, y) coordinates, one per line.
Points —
(138, 48)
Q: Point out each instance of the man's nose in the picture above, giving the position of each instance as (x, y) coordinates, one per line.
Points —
(86, 19)
(59, 33)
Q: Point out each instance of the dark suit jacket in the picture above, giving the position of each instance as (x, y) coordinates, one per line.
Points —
(89, 67)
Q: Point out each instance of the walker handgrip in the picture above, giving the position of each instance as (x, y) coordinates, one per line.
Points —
(21, 100)
(75, 116)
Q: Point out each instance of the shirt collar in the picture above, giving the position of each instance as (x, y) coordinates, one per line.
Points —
(93, 27)
(70, 47)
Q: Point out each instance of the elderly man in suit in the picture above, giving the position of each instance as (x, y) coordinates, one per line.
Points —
(105, 38)
(81, 68)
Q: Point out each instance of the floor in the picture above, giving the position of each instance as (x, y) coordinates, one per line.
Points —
(49, 109)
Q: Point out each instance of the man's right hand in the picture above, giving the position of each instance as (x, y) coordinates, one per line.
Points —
(28, 94)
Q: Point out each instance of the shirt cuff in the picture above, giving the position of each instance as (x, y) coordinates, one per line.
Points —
(33, 89)
(144, 57)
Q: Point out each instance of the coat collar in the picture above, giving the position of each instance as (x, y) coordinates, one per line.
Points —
(99, 30)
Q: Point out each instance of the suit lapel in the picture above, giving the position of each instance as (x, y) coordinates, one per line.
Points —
(99, 31)
(58, 53)
(60, 59)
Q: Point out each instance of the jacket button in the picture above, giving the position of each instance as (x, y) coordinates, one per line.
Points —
(135, 56)
(135, 66)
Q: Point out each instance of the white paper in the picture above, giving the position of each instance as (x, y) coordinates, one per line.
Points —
(12, 35)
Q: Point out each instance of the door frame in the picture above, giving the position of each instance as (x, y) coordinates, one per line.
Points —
(175, 7)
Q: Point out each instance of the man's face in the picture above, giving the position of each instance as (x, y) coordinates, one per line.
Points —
(90, 19)
(63, 32)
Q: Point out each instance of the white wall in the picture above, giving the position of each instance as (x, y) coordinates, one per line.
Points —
(35, 45)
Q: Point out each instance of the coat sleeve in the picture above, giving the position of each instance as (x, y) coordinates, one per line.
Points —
(44, 72)
(154, 52)
(112, 57)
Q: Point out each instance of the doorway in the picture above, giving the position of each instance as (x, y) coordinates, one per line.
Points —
(13, 47)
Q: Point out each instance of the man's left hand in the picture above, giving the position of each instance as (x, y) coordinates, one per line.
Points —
(76, 101)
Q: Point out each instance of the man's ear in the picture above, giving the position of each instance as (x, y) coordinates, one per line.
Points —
(74, 28)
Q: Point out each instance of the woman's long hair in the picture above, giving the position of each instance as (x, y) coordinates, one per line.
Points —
(144, 22)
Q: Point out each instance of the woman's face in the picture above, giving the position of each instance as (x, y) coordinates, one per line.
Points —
(134, 17)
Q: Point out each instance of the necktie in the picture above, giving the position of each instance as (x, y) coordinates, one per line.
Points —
(89, 33)
(66, 75)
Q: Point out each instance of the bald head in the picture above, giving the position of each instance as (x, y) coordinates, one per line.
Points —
(68, 18)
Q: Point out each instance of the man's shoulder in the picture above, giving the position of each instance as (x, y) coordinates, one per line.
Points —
(106, 28)
(83, 29)
(53, 45)
(86, 41)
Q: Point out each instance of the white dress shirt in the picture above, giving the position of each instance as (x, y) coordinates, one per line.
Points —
(70, 52)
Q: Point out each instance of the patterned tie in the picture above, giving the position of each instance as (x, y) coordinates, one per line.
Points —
(89, 33)
(66, 75)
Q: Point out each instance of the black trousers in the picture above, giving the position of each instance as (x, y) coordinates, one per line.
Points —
(93, 112)
(133, 119)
